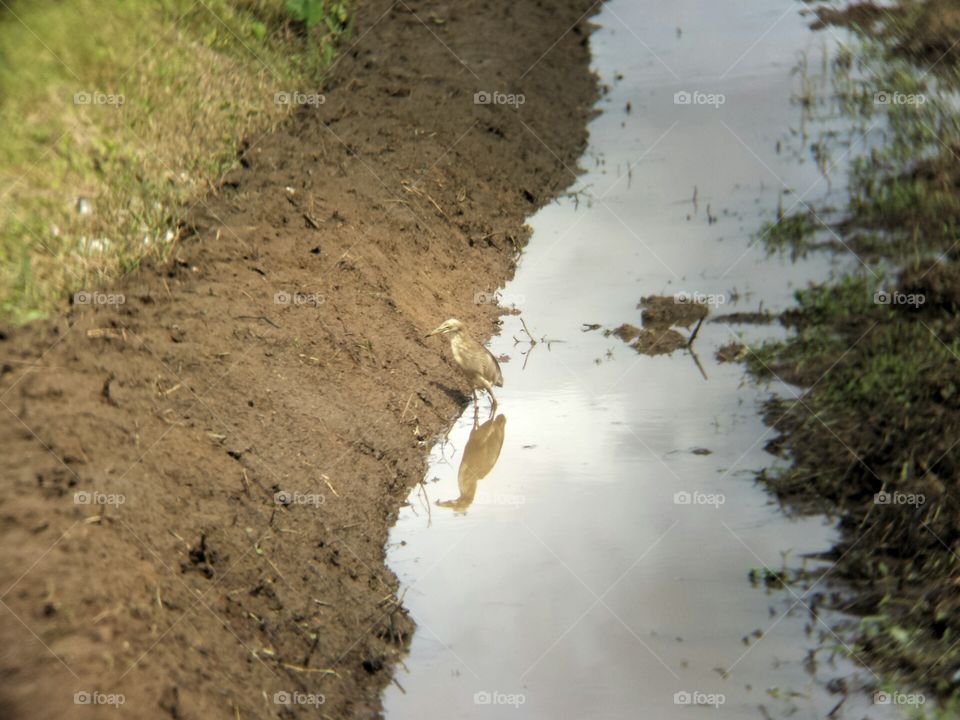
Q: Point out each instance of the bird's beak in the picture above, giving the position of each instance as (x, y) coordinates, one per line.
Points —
(434, 332)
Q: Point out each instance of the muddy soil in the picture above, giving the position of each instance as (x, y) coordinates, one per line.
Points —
(660, 315)
(872, 440)
(198, 483)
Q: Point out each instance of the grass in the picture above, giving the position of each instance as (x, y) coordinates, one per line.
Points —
(881, 416)
(118, 116)
(795, 233)
(878, 349)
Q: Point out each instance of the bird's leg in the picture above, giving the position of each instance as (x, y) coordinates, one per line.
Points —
(493, 401)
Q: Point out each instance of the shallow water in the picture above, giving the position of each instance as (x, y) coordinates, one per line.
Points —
(563, 575)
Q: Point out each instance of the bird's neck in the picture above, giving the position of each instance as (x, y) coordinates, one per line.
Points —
(456, 340)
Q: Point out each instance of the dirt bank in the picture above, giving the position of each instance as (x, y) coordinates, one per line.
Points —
(281, 353)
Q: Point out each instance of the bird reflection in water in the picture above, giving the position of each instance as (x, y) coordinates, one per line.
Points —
(479, 457)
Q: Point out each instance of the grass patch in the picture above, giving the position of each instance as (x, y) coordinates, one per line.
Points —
(118, 116)
(873, 438)
(794, 233)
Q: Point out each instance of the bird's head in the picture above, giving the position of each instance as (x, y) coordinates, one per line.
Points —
(450, 326)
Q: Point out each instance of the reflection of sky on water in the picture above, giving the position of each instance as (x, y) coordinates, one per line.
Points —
(574, 579)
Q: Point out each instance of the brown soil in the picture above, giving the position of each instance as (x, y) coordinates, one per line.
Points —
(863, 15)
(731, 352)
(922, 30)
(662, 311)
(938, 284)
(763, 317)
(375, 217)
(660, 315)
(650, 341)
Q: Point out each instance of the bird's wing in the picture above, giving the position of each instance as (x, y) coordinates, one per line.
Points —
(499, 379)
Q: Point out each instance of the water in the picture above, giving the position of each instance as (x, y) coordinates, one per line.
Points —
(563, 575)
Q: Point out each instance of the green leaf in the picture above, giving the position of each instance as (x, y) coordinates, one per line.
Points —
(900, 635)
(310, 12)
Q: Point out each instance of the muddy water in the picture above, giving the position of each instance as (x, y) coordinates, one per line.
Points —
(551, 560)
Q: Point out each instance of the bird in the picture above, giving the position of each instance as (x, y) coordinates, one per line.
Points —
(480, 454)
(476, 362)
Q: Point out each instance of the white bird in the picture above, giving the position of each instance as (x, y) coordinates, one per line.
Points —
(476, 362)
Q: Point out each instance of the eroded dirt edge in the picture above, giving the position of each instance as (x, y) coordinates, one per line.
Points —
(282, 352)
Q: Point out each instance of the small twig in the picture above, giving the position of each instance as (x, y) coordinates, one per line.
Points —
(114, 611)
(406, 407)
(170, 422)
(426, 501)
(695, 331)
(439, 209)
(527, 331)
(696, 360)
(167, 393)
(258, 317)
(526, 356)
(327, 481)
(107, 333)
(300, 669)
(275, 568)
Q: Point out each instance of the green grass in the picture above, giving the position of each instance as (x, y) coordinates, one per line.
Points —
(794, 232)
(880, 411)
(195, 80)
